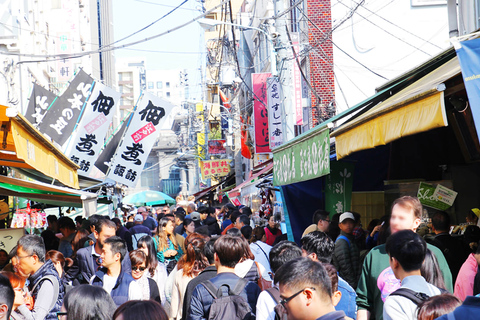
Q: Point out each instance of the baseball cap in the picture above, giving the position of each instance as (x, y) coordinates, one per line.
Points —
(346, 215)
(138, 218)
(195, 216)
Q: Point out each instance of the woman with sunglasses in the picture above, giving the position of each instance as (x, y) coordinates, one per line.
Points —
(155, 270)
(149, 286)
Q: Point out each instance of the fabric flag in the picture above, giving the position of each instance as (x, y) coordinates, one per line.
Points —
(105, 158)
(88, 139)
(468, 53)
(59, 121)
(260, 112)
(40, 100)
(275, 127)
(142, 132)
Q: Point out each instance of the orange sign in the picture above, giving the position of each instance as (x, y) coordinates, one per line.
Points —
(215, 168)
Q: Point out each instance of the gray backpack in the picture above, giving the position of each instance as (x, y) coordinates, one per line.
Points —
(231, 306)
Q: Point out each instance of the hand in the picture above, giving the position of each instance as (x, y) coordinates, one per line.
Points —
(375, 230)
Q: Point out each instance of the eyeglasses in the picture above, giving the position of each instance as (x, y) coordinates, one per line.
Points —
(20, 258)
(284, 301)
(61, 314)
(138, 268)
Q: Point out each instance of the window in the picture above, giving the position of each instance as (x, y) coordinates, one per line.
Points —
(167, 84)
(150, 85)
(168, 94)
(160, 85)
(120, 76)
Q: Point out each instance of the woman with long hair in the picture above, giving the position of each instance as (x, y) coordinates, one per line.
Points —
(87, 302)
(188, 227)
(249, 269)
(155, 270)
(430, 270)
(168, 249)
(189, 266)
(149, 287)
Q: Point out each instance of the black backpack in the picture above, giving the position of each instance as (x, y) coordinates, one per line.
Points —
(275, 294)
(231, 306)
(415, 297)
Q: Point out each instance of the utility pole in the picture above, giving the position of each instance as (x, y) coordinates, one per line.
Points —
(284, 71)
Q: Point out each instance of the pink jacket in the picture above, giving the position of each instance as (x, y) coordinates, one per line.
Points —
(465, 278)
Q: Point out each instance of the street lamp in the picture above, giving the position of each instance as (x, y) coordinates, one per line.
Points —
(210, 23)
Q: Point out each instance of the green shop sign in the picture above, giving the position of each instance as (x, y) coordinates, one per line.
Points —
(304, 158)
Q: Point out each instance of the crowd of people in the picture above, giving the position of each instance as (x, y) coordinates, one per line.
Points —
(223, 263)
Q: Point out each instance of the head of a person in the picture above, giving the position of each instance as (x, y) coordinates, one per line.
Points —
(194, 260)
(93, 219)
(143, 211)
(58, 260)
(246, 211)
(7, 296)
(305, 289)
(234, 215)
(283, 252)
(318, 246)
(228, 251)
(147, 245)
(140, 309)
(166, 209)
(130, 217)
(179, 217)
(441, 221)
(79, 240)
(191, 207)
(117, 222)
(166, 230)
(333, 275)
(4, 258)
(138, 219)
(78, 221)
(66, 225)
(203, 212)
(472, 215)
(52, 222)
(242, 220)
(406, 214)
(113, 251)
(321, 219)
(272, 223)
(406, 250)
(104, 229)
(211, 212)
(346, 223)
(86, 302)
(209, 250)
(436, 306)
(234, 232)
(138, 259)
(258, 234)
(246, 232)
(430, 270)
(189, 226)
(30, 254)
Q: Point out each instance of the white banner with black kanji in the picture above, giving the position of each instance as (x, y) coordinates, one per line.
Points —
(141, 134)
(89, 137)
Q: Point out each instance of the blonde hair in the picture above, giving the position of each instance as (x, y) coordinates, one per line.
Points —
(162, 235)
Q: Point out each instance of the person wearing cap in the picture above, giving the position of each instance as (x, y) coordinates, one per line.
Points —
(346, 257)
(138, 230)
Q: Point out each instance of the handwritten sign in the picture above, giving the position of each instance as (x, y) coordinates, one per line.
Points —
(302, 160)
(259, 86)
(275, 128)
(426, 195)
(215, 168)
(9, 238)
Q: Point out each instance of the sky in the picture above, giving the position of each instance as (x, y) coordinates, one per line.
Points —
(181, 49)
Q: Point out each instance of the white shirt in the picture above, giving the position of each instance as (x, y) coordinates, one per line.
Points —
(134, 289)
(261, 256)
(265, 307)
(242, 268)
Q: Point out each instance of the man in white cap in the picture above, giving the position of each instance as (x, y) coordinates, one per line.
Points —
(346, 257)
(138, 230)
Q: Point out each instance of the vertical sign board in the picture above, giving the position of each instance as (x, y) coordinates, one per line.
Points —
(338, 187)
(260, 113)
(141, 134)
(468, 53)
(302, 160)
(274, 113)
(40, 100)
(88, 139)
(64, 46)
(200, 135)
(297, 82)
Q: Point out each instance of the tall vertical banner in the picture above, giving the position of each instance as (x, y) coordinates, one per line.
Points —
(338, 187)
(141, 134)
(274, 113)
(468, 53)
(40, 100)
(260, 112)
(59, 121)
(84, 148)
(297, 82)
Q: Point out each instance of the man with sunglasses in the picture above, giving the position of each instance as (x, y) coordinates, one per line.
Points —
(306, 291)
(321, 222)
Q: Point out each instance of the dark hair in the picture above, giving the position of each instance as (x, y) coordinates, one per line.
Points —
(51, 218)
(104, 223)
(180, 215)
(319, 243)
(372, 225)
(141, 309)
(441, 221)
(247, 211)
(187, 222)
(283, 252)
(93, 219)
(65, 222)
(137, 257)
(357, 216)
(333, 275)
(410, 203)
(193, 261)
(33, 244)
(302, 273)
(87, 302)
(234, 232)
(210, 210)
(117, 245)
(408, 248)
(244, 219)
(246, 232)
(229, 250)
(430, 270)
(78, 242)
(436, 306)
(320, 215)
(117, 222)
(209, 250)
(152, 262)
(235, 214)
(7, 295)
(257, 234)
